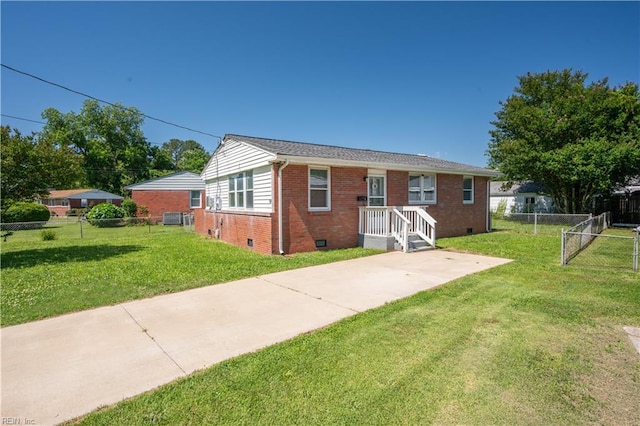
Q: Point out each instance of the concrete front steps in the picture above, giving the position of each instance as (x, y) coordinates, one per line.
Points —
(415, 243)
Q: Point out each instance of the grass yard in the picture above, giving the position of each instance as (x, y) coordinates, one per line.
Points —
(526, 343)
(528, 227)
(109, 265)
(612, 251)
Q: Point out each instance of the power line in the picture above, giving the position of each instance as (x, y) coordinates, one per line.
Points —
(23, 119)
(105, 102)
(43, 123)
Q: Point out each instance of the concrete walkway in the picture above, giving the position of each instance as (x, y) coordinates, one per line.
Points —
(60, 368)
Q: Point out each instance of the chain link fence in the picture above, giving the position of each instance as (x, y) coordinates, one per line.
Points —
(614, 249)
(537, 223)
(82, 228)
(591, 244)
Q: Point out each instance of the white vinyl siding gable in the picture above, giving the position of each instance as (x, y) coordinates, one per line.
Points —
(235, 157)
(263, 189)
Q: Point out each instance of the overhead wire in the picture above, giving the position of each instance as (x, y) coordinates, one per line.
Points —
(42, 122)
(106, 102)
(23, 119)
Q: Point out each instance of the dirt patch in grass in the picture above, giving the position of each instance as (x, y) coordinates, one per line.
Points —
(614, 381)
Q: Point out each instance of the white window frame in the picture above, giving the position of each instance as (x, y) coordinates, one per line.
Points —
(192, 198)
(471, 190)
(372, 176)
(327, 189)
(423, 189)
(246, 179)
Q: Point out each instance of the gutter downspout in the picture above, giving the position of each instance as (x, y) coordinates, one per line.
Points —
(280, 243)
(489, 205)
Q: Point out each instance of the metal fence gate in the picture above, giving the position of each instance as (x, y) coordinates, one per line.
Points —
(585, 245)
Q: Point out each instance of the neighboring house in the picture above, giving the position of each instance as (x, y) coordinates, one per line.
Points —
(524, 197)
(175, 193)
(625, 205)
(61, 202)
(275, 196)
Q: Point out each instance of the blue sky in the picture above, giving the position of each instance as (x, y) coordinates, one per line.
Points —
(411, 77)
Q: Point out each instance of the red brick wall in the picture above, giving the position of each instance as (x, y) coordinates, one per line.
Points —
(397, 188)
(58, 210)
(453, 216)
(159, 202)
(339, 227)
(238, 228)
(77, 204)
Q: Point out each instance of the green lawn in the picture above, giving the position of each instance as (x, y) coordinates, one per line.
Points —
(612, 251)
(527, 343)
(110, 265)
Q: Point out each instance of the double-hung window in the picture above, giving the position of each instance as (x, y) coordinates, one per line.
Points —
(529, 204)
(319, 189)
(195, 201)
(422, 189)
(241, 190)
(467, 189)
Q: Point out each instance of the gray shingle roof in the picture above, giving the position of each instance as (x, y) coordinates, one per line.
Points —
(527, 187)
(183, 180)
(95, 194)
(310, 150)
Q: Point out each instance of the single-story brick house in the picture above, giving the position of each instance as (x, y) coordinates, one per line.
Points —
(60, 202)
(180, 192)
(276, 196)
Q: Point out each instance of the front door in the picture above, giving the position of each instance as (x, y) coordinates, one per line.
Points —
(377, 195)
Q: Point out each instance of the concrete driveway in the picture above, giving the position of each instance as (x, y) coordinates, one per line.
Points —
(60, 368)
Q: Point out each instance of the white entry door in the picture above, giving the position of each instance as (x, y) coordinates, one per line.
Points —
(377, 193)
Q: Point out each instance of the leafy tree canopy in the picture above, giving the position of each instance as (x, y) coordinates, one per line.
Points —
(31, 165)
(577, 139)
(109, 138)
(186, 155)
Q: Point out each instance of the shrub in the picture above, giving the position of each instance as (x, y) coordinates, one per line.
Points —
(501, 210)
(22, 211)
(76, 212)
(130, 208)
(105, 214)
(48, 235)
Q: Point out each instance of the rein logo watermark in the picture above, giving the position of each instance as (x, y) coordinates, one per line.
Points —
(16, 421)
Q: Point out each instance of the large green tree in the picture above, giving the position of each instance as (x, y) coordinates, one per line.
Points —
(186, 155)
(577, 139)
(110, 140)
(32, 164)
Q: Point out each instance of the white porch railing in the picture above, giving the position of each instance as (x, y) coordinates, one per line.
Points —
(398, 222)
(400, 226)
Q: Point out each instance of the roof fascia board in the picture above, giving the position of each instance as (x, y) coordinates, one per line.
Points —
(372, 165)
